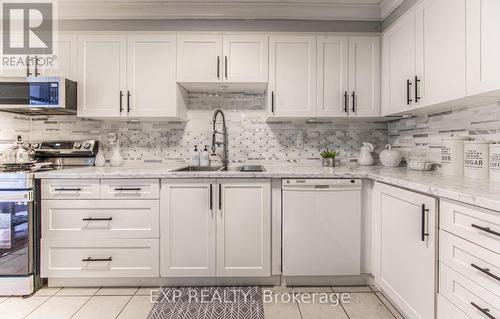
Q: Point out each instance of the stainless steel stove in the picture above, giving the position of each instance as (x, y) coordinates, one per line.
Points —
(20, 211)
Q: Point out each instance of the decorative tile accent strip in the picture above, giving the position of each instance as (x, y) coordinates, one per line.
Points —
(420, 137)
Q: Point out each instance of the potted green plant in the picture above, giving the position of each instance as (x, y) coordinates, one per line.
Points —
(328, 158)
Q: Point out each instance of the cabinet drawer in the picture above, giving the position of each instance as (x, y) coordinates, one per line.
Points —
(100, 219)
(480, 226)
(95, 258)
(476, 263)
(71, 189)
(130, 188)
(447, 310)
(467, 295)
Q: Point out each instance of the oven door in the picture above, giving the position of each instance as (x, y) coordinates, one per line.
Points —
(16, 232)
(29, 92)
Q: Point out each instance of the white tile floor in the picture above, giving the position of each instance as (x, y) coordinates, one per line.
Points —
(134, 303)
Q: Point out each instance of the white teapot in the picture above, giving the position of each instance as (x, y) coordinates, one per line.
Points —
(365, 154)
(390, 157)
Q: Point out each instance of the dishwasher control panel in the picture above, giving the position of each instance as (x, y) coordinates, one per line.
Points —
(339, 182)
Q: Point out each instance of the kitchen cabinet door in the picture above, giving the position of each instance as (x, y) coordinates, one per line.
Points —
(18, 65)
(187, 228)
(151, 76)
(199, 58)
(483, 47)
(398, 65)
(292, 76)
(102, 75)
(246, 58)
(66, 63)
(404, 248)
(440, 34)
(333, 63)
(244, 228)
(364, 76)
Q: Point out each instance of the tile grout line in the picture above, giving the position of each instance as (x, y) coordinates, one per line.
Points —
(119, 313)
(86, 302)
(49, 297)
(388, 307)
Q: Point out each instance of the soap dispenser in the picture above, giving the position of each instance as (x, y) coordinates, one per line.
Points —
(195, 157)
(205, 157)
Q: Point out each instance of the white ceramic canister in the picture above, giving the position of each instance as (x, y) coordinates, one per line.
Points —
(452, 155)
(495, 162)
(476, 159)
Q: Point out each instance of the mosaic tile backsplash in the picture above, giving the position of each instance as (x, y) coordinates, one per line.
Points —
(420, 137)
(250, 137)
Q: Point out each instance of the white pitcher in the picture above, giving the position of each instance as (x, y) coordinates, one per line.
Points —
(365, 154)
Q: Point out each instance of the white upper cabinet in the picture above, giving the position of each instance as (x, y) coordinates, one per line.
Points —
(398, 61)
(292, 76)
(483, 47)
(102, 71)
(333, 66)
(440, 47)
(244, 228)
(123, 76)
(364, 76)
(199, 58)
(245, 58)
(151, 85)
(66, 63)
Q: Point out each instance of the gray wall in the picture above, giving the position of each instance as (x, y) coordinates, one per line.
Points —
(220, 25)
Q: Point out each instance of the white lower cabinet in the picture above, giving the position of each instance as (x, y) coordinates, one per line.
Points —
(404, 248)
(98, 258)
(215, 228)
(446, 310)
(244, 228)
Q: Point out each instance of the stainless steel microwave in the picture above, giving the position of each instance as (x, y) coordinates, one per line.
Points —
(38, 95)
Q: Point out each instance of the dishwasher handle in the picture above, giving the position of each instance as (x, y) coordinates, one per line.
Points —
(322, 188)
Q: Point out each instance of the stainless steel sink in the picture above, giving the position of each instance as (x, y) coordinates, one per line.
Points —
(243, 168)
(198, 169)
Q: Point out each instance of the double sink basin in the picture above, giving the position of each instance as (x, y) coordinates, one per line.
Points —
(242, 168)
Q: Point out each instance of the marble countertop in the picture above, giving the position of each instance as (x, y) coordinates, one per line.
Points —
(482, 193)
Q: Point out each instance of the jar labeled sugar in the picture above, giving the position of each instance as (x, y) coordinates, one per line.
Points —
(476, 159)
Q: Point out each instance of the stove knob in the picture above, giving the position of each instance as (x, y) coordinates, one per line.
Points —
(86, 145)
(77, 145)
(36, 145)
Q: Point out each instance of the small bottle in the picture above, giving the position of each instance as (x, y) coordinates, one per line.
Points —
(205, 157)
(195, 157)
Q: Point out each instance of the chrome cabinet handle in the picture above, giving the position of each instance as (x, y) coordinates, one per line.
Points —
(423, 234)
(484, 311)
(28, 73)
(486, 229)
(36, 66)
(128, 189)
(91, 219)
(485, 271)
(90, 259)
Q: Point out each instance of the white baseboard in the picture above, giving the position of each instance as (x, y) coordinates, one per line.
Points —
(16, 286)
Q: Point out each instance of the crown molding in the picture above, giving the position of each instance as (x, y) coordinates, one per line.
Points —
(256, 9)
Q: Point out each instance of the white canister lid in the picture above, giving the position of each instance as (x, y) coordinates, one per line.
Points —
(456, 138)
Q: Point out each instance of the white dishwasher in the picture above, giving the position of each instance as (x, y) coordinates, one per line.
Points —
(321, 227)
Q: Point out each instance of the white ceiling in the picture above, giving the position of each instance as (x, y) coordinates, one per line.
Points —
(372, 10)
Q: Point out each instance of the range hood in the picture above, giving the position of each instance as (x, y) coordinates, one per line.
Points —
(38, 95)
(226, 87)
